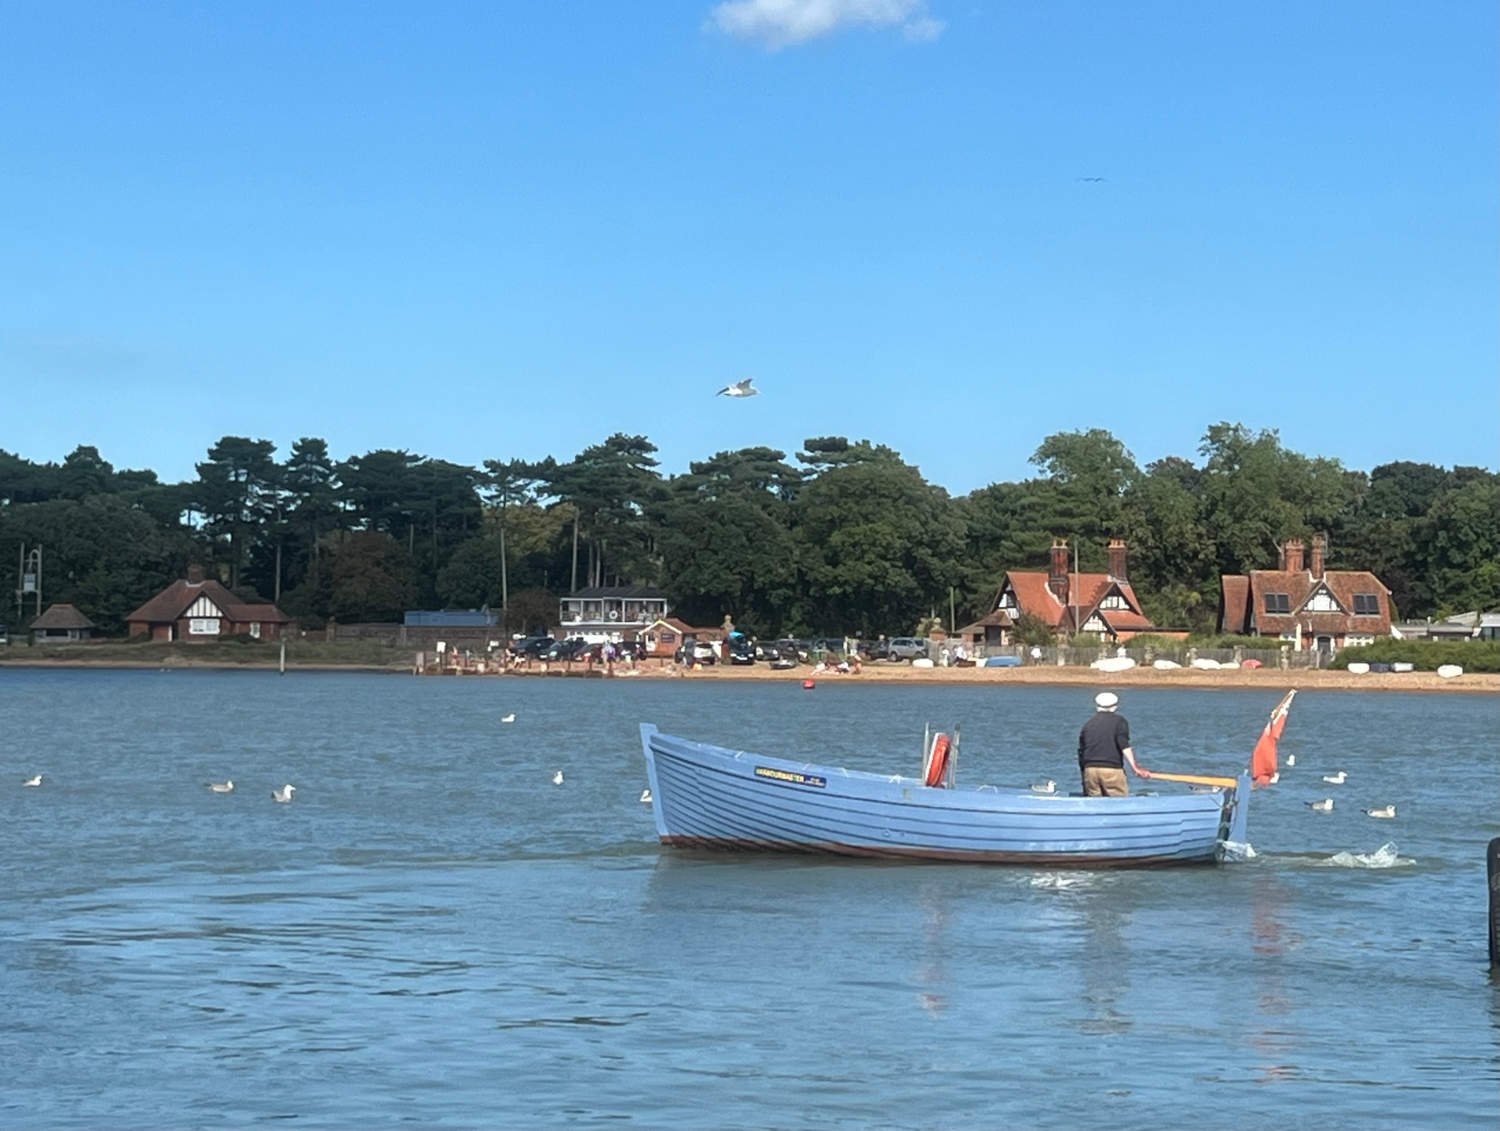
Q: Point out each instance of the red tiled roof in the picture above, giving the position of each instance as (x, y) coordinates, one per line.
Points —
(1299, 586)
(1234, 607)
(1085, 591)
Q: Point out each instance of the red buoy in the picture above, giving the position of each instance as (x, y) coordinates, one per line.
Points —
(808, 685)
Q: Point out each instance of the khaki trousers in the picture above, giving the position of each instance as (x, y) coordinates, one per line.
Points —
(1104, 781)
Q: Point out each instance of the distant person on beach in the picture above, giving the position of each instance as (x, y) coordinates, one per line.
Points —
(1104, 748)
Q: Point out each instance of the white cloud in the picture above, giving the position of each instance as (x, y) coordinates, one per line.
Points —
(785, 23)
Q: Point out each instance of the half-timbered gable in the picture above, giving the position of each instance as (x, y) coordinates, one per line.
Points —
(200, 609)
(1071, 601)
(1305, 604)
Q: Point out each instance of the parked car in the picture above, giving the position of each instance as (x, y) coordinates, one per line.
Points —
(573, 648)
(702, 652)
(741, 651)
(767, 652)
(875, 649)
(908, 648)
(531, 647)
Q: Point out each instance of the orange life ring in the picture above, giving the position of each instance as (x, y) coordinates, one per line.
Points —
(937, 760)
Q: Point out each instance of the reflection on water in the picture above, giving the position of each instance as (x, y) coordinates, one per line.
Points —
(1272, 941)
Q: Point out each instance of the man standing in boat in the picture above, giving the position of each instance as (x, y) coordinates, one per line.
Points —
(1104, 748)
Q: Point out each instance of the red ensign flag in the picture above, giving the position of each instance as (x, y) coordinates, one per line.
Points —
(1263, 759)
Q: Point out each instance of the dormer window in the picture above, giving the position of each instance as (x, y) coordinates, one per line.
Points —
(1366, 605)
(1278, 603)
(1114, 601)
(1322, 602)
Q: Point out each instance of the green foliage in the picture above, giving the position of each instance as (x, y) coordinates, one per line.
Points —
(1031, 629)
(1426, 655)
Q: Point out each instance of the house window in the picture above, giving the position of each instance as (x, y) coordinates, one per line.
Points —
(1355, 639)
(1114, 601)
(1278, 603)
(203, 626)
(1366, 605)
(255, 630)
(1323, 602)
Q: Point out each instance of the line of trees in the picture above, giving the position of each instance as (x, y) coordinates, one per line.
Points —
(844, 537)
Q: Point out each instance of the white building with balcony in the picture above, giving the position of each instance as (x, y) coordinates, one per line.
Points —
(611, 612)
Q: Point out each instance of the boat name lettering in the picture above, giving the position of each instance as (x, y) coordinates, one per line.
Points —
(792, 776)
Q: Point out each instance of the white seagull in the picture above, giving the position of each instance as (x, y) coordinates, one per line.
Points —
(1336, 779)
(283, 794)
(557, 778)
(226, 786)
(1324, 806)
(35, 780)
(645, 797)
(1048, 786)
(1291, 759)
(1386, 811)
(738, 389)
(510, 718)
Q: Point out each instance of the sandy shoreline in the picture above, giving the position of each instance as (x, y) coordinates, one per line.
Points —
(1044, 675)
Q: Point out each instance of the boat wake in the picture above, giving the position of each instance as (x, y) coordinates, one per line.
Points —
(1385, 856)
(1235, 851)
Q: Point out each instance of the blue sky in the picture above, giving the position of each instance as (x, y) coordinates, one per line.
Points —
(496, 230)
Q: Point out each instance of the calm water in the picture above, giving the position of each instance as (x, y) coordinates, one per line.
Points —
(434, 933)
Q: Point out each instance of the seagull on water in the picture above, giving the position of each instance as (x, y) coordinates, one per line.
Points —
(1291, 759)
(36, 779)
(510, 718)
(226, 786)
(738, 389)
(1048, 786)
(283, 794)
(1324, 806)
(645, 797)
(1336, 779)
(557, 778)
(1385, 811)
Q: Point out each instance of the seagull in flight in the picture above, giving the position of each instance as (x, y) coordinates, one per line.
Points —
(738, 389)
(1092, 180)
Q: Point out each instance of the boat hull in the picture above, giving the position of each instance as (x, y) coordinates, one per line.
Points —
(712, 797)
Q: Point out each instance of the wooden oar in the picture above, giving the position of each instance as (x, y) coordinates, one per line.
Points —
(1195, 779)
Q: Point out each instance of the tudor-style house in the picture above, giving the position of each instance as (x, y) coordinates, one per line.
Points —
(1305, 604)
(1069, 601)
(199, 609)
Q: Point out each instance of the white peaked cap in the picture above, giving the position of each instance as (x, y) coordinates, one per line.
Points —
(1106, 700)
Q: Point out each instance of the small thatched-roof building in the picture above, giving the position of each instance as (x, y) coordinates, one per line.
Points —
(61, 622)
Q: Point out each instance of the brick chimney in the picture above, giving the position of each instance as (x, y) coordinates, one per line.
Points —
(1057, 572)
(1315, 565)
(1291, 555)
(1117, 559)
(195, 574)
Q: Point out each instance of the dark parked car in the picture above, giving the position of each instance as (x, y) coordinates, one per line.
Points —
(741, 651)
(573, 648)
(532, 647)
(790, 649)
(875, 649)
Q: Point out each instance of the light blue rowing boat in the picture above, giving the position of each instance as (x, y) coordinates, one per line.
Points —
(710, 796)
